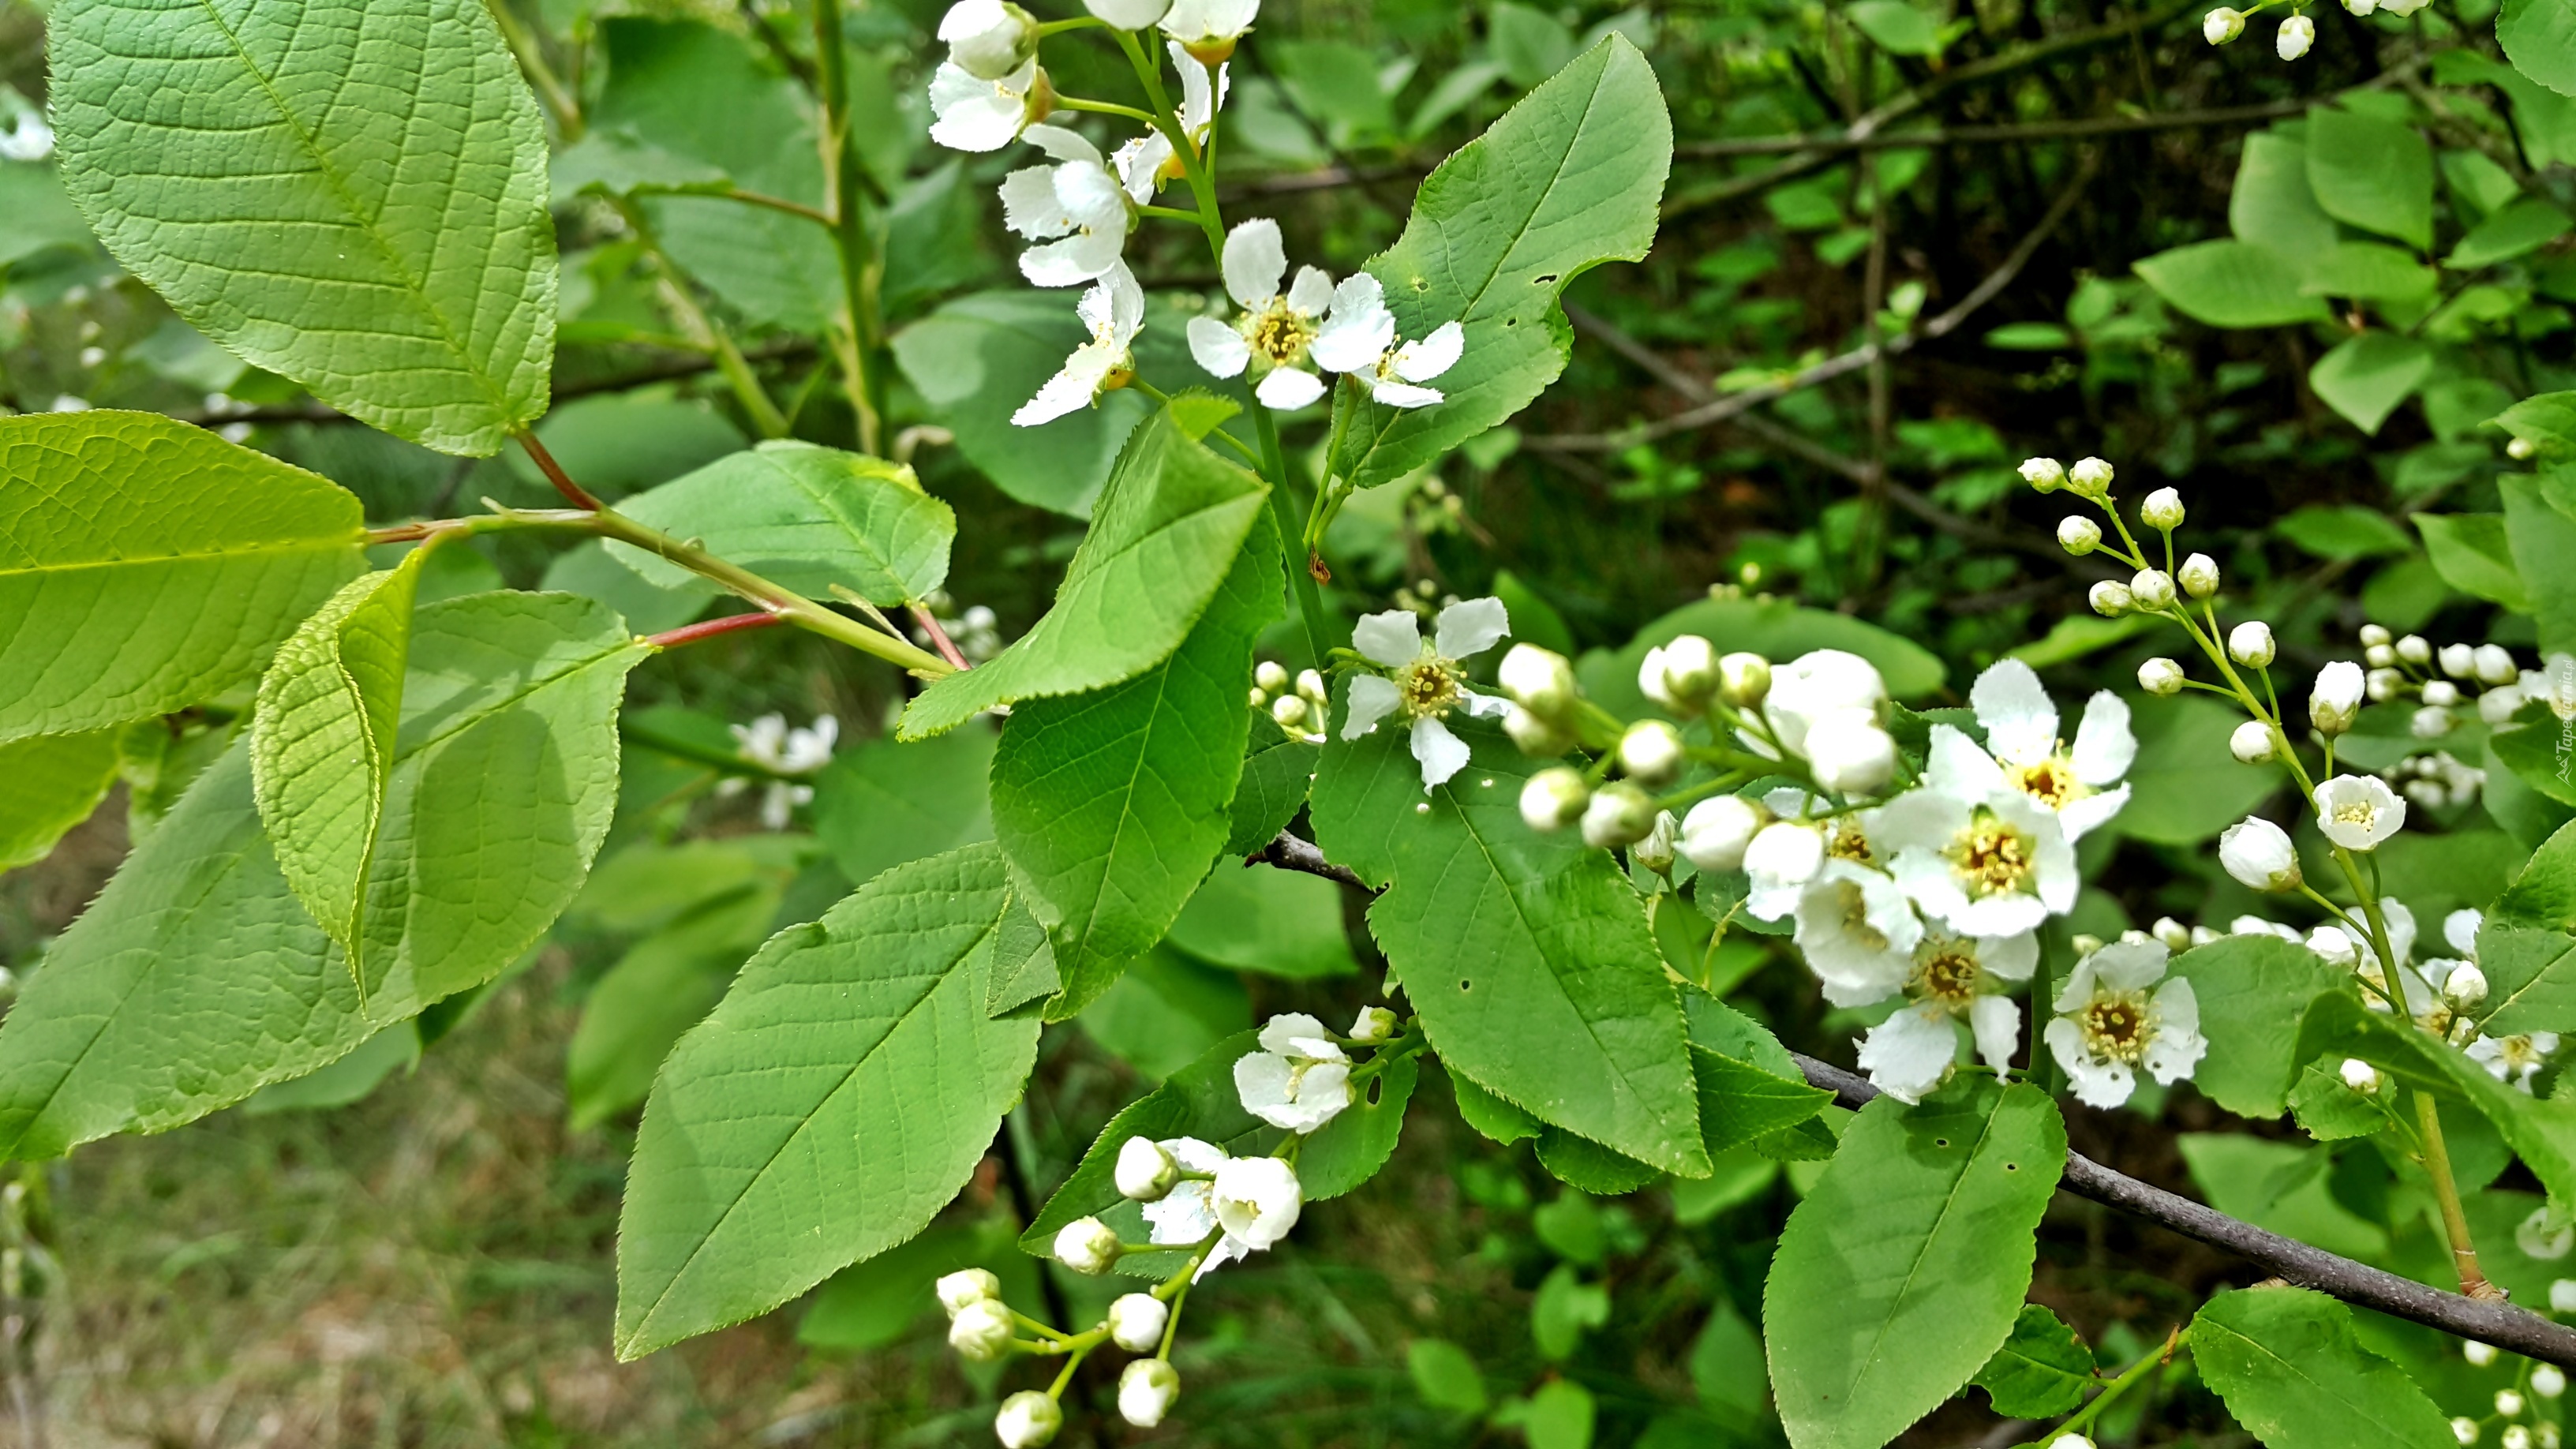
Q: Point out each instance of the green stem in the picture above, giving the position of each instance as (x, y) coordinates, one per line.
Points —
(789, 605)
(1104, 108)
(861, 342)
(2111, 1393)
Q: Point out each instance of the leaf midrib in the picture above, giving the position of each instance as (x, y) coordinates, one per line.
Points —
(1949, 1202)
(2292, 1368)
(314, 544)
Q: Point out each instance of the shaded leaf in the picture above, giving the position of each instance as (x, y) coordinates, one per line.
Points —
(2293, 1370)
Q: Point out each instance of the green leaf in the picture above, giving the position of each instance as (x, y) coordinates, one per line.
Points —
(2542, 540)
(1559, 1414)
(1168, 531)
(1904, 1269)
(1529, 44)
(2366, 377)
(1587, 1166)
(885, 803)
(2541, 1131)
(2231, 284)
(383, 164)
(1111, 805)
(806, 517)
(2547, 422)
(2330, 1111)
(1261, 919)
(1165, 1011)
(1491, 1116)
(2272, 207)
(2185, 787)
(2539, 37)
(1741, 1103)
(1897, 26)
(145, 565)
(1526, 955)
(322, 743)
(197, 977)
(1569, 178)
(2372, 173)
(834, 1101)
(2042, 1370)
(2281, 1186)
(2371, 272)
(2473, 555)
(55, 781)
(1274, 786)
(661, 987)
(1564, 1308)
(2537, 761)
(2525, 226)
(2343, 531)
(2527, 944)
(1445, 1376)
(2291, 1368)
(36, 215)
(1774, 628)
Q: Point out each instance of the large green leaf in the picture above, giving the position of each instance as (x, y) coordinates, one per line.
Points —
(322, 743)
(2542, 540)
(1168, 530)
(2253, 991)
(198, 977)
(1111, 805)
(806, 517)
(2525, 226)
(2540, 1130)
(661, 987)
(2231, 284)
(2545, 422)
(2292, 1369)
(351, 195)
(2272, 207)
(2539, 37)
(1903, 1271)
(54, 782)
(2185, 787)
(2472, 554)
(146, 565)
(1526, 955)
(1569, 178)
(1275, 922)
(1774, 628)
(883, 803)
(2527, 945)
(978, 358)
(2372, 173)
(834, 1101)
(2366, 377)
(2041, 1371)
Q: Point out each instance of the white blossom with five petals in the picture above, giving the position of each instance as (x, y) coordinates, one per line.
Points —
(1276, 330)
(1981, 861)
(1299, 1080)
(1857, 931)
(974, 114)
(2024, 753)
(1114, 311)
(1359, 340)
(1425, 680)
(2113, 1018)
(1954, 977)
(1075, 206)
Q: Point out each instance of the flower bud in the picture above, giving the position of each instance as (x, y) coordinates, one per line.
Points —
(1256, 698)
(2520, 449)
(2258, 853)
(1128, 14)
(1651, 752)
(2460, 661)
(1619, 814)
(1289, 711)
(2045, 474)
(966, 1285)
(2362, 1077)
(1848, 752)
(1028, 1419)
(1310, 683)
(1743, 679)
(2441, 692)
(1146, 1389)
(2070, 1441)
(2464, 1429)
(2198, 576)
(2296, 35)
(2495, 666)
(2508, 1402)
(2383, 685)
(2430, 723)
(2109, 598)
(2497, 706)
(2250, 644)
(1679, 674)
(2415, 650)
(2151, 589)
(1136, 1321)
(2335, 946)
(2517, 1436)
(2078, 535)
(1374, 1024)
(1087, 1245)
(988, 39)
(2465, 987)
(2379, 656)
(2090, 477)
(2360, 8)
(1144, 1171)
(1554, 799)
(1271, 675)
(1655, 852)
(1718, 829)
(2222, 25)
(2172, 934)
(1539, 680)
(2162, 511)
(2336, 699)
(2562, 1295)
(2252, 743)
(2160, 676)
(2548, 1381)
(981, 1331)
(1534, 736)
(2376, 634)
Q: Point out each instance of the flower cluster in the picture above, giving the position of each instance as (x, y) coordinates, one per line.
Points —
(770, 744)
(2519, 1407)
(2298, 33)
(1299, 712)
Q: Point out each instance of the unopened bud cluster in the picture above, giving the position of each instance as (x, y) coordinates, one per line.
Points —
(1300, 712)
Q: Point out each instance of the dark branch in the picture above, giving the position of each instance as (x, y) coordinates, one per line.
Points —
(2507, 1327)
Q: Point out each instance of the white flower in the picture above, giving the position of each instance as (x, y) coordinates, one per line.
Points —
(1148, 161)
(2151, 589)
(1782, 857)
(1114, 310)
(1814, 682)
(768, 741)
(2465, 1429)
(1136, 1321)
(2296, 35)
(1679, 673)
(1028, 1419)
(1848, 753)
(2259, 854)
(1538, 680)
(1717, 830)
(975, 114)
(1359, 339)
(1256, 1200)
(1911, 1052)
(2336, 699)
(2090, 477)
(1275, 329)
(981, 1331)
(1210, 27)
(2251, 742)
(1743, 677)
(26, 137)
(2464, 986)
(1076, 200)
(966, 1285)
(2044, 474)
(1857, 931)
(1128, 14)
(2023, 753)
(2109, 1023)
(2548, 1380)
(1087, 1245)
(2495, 665)
(1183, 1214)
(1425, 681)
(2359, 1075)
(2221, 25)
(2078, 535)
(1144, 1170)
(2514, 1059)
(988, 39)
(1299, 1080)
(2109, 598)
(1992, 867)
(2334, 946)
(2357, 812)
(2162, 510)
(2460, 931)
(1146, 1389)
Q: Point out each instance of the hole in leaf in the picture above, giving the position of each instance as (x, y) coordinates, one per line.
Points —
(1376, 1090)
(1940, 1141)
(1511, 321)
(1463, 985)
(2012, 1167)
(1543, 279)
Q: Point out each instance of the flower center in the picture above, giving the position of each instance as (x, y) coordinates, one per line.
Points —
(1853, 907)
(2118, 1027)
(1428, 687)
(1844, 841)
(2355, 812)
(2520, 1052)
(1948, 976)
(2051, 782)
(1279, 333)
(1993, 857)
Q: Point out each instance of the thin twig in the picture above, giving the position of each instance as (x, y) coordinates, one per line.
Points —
(573, 492)
(710, 628)
(939, 639)
(1290, 853)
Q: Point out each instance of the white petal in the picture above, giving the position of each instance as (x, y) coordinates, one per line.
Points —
(1471, 626)
(1287, 389)
(1126, 305)
(987, 123)
(1030, 207)
(1996, 1022)
(1371, 699)
(2096, 1083)
(1193, 1154)
(1261, 1082)
(1484, 706)
(1393, 638)
(1140, 165)
(1094, 308)
(1403, 394)
(1312, 292)
(2081, 816)
(1959, 769)
(1279, 1031)
(1441, 753)
(2004, 915)
(2132, 965)
(1926, 876)
(2009, 958)
(1360, 329)
(1092, 195)
(1433, 355)
(2019, 719)
(1917, 819)
(1908, 1054)
(1072, 388)
(1183, 1215)
(1218, 348)
(1062, 144)
(1255, 260)
(1198, 103)
(2104, 745)
(1073, 261)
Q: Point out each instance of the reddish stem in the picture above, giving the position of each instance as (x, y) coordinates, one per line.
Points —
(692, 633)
(573, 492)
(938, 637)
